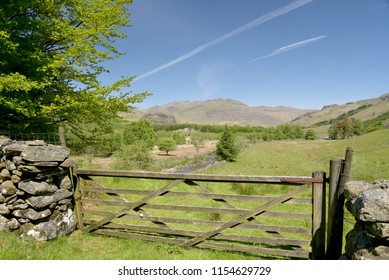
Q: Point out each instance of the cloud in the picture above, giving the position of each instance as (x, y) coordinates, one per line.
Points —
(291, 47)
(264, 18)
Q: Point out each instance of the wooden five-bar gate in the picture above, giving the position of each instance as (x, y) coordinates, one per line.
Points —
(278, 216)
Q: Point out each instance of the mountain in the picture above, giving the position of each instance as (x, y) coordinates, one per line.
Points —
(227, 111)
(362, 109)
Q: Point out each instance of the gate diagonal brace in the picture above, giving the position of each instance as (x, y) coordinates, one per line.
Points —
(247, 215)
(134, 205)
(229, 205)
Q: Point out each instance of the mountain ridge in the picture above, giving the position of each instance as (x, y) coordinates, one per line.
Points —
(231, 111)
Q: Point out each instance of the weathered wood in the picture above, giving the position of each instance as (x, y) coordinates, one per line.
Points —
(214, 196)
(245, 216)
(248, 226)
(200, 177)
(219, 237)
(319, 218)
(203, 209)
(336, 241)
(335, 168)
(134, 205)
(77, 197)
(209, 245)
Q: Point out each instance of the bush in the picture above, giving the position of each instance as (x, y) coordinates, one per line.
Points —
(226, 148)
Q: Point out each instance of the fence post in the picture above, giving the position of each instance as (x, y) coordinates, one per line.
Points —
(319, 216)
(335, 235)
(77, 197)
(62, 139)
(332, 244)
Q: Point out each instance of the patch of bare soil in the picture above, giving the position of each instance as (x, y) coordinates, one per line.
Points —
(185, 151)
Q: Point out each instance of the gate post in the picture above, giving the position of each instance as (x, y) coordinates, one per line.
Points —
(335, 230)
(319, 216)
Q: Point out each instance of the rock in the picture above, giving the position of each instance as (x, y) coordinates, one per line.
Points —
(63, 224)
(31, 214)
(13, 224)
(371, 206)
(42, 232)
(3, 223)
(45, 153)
(362, 245)
(8, 188)
(4, 209)
(19, 204)
(36, 143)
(45, 163)
(15, 179)
(10, 165)
(29, 169)
(380, 230)
(68, 163)
(2, 198)
(354, 188)
(42, 201)
(18, 160)
(14, 149)
(37, 188)
(5, 175)
(66, 183)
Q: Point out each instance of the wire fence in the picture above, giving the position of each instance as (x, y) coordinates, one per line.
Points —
(49, 138)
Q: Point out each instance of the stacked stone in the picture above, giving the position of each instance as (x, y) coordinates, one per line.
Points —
(36, 194)
(369, 204)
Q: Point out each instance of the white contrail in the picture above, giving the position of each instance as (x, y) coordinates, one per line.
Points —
(266, 17)
(290, 47)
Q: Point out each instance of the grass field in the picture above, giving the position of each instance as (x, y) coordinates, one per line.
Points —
(298, 158)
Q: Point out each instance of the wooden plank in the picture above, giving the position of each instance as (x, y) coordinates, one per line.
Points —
(249, 226)
(134, 205)
(77, 198)
(215, 196)
(208, 245)
(245, 216)
(220, 237)
(318, 218)
(198, 177)
(169, 207)
(254, 250)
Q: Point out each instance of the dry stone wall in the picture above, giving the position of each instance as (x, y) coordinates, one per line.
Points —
(369, 204)
(36, 194)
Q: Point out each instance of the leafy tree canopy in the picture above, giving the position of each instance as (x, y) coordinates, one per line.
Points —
(51, 55)
(139, 131)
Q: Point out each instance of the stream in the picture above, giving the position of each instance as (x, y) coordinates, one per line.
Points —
(208, 160)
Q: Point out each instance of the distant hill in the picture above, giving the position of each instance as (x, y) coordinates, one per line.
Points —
(362, 109)
(229, 111)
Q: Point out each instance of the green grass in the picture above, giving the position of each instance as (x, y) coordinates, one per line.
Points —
(299, 158)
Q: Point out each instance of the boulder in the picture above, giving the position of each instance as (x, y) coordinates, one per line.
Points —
(371, 205)
(45, 153)
(31, 214)
(37, 188)
(42, 201)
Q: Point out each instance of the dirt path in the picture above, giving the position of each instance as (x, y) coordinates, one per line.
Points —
(183, 151)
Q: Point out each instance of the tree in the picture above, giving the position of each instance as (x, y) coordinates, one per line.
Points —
(51, 55)
(167, 145)
(310, 135)
(226, 148)
(139, 131)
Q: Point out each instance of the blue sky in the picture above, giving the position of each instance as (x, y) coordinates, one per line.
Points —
(298, 53)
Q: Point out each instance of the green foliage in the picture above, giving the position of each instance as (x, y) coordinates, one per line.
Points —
(139, 131)
(310, 135)
(51, 55)
(226, 148)
(136, 156)
(167, 145)
(345, 128)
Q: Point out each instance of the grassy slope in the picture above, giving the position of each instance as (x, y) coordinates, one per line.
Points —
(267, 158)
(303, 157)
